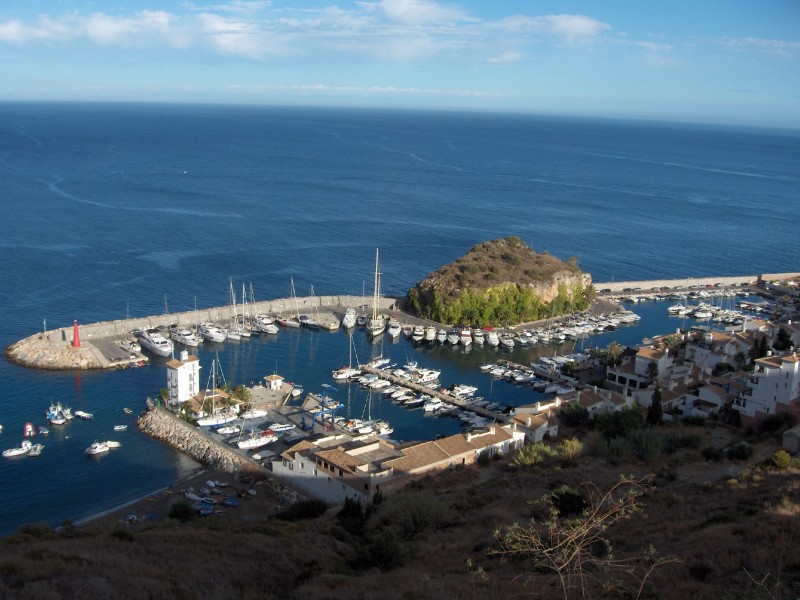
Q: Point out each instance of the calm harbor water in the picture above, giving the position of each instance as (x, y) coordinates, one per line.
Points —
(113, 209)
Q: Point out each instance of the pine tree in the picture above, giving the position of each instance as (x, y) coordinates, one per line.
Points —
(655, 412)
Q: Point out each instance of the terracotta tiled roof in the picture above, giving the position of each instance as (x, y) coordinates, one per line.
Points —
(339, 458)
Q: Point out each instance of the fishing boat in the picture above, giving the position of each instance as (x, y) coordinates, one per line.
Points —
(55, 414)
(23, 449)
(96, 448)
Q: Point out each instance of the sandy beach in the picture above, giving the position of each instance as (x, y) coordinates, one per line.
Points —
(264, 498)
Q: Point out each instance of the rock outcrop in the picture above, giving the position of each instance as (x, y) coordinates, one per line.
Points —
(41, 352)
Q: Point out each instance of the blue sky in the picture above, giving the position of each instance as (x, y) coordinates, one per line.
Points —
(717, 61)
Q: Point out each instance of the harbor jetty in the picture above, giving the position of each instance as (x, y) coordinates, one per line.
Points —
(616, 287)
(99, 343)
(161, 424)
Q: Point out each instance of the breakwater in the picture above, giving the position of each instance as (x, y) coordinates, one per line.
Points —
(647, 285)
(162, 425)
(53, 349)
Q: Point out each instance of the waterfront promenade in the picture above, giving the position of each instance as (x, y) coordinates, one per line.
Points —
(615, 287)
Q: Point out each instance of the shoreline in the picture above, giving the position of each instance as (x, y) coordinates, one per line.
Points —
(98, 516)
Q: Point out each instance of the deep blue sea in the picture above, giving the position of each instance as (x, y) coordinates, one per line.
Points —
(111, 209)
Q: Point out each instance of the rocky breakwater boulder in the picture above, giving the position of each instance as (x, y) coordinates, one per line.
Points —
(162, 425)
(41, 352)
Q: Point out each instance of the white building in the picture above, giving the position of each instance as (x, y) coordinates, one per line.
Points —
(183, 378)
(774, 386)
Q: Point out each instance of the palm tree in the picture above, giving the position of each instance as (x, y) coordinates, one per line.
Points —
(614, 354)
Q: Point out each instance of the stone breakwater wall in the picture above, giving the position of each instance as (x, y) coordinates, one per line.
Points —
(162, 425)
(53, 349)
(43, 353)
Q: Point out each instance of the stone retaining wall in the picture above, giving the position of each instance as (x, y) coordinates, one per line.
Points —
(162, 425)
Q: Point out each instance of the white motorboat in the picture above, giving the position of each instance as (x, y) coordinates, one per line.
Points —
(153, 341)
(130, 346)
(507, 340)
(184, 336)
(229, 429)
(349, 318)
(346, 373)
(120, 427)
(254, 413)
(492, 338)
(478, 336)
(465, 336)
(394, 329)
(211, 332)
(36, 450)
(278, 427)
(453, 336)
(256, 440)
(112, 444)
(83, 415)
(441, 336)
(23, 448)
(96, 448)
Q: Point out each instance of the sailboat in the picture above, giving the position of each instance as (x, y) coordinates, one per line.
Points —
(221, 416)
(349, 371)
(290, 321)
(309, 322)
(376, 325)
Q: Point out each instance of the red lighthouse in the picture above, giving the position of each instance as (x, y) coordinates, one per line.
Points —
(76, 336)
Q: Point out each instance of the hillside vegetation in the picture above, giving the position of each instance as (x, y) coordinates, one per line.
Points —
(719, 530)
(501, 282)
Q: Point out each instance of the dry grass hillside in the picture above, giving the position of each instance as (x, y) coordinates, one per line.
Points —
(496, 262)
(729, 526)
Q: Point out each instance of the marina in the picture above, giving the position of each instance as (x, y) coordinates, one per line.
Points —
(114, 280)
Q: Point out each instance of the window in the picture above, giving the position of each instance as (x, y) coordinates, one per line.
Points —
(315, 472)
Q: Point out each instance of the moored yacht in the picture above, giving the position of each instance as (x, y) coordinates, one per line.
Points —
(211, 332)
(465, 336)
(453, 336)
(184, 336)
(492, 338)
(155, 342)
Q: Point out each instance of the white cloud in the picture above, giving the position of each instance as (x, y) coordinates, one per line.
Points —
(418, 12)
(777, 47)
(572, 29)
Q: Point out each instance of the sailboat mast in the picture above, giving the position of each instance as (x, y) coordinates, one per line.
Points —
(375, 288)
